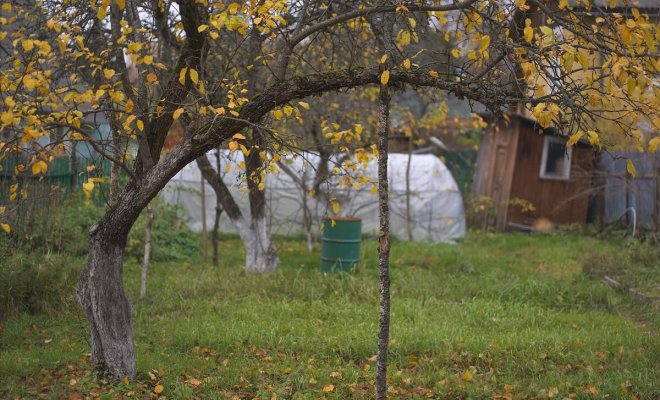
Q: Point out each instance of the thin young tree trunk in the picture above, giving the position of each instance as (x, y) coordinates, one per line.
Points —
(205, 247)
(657, 195)
(214, 233)
(408, 211)
(147, 252)
(73, 179)
(218, 214)
(383, 247)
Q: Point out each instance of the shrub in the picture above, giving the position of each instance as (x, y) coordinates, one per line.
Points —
(171, 239)
(60, 228)
(46, 252)
(37, 284)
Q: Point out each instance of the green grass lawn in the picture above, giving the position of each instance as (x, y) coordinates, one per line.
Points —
(498, 316)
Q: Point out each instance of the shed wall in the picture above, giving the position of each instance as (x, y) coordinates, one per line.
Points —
(561, 201)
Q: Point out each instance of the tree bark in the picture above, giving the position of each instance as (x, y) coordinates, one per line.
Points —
(147, 252)
(408, 208)
(260, 253)
(218, 214)
(214, 234)
(102, 296)
(383, 247)
(205, 242)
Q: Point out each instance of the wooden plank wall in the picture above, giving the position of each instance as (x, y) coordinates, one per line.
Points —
(560, 201)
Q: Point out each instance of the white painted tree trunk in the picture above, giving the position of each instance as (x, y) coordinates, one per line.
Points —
(260, 253)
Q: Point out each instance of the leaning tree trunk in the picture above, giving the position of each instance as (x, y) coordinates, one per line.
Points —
(102, 296)
(383, 247)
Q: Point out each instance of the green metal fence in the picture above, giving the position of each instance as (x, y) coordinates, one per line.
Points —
(62, 178)
(461, 164)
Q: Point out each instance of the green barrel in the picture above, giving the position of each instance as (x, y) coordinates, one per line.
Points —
(340, 250)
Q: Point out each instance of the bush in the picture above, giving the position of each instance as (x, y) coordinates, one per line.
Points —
(46, 252)
(60, 228)
(37, 284)
(171, 239)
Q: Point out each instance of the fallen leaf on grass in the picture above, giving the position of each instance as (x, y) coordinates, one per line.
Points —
(328, 388)
(468, 374)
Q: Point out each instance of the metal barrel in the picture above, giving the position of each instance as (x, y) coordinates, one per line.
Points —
(340, 250)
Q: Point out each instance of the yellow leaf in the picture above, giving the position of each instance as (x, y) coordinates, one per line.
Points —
(593, 138)
(383, 59)
(385, 77)
(117, 97)
(214, 35)
(238, 136)
(406, 63)
(574, 138)
(233, 8)
(177, 113)
(547, 31)
(278, 114)
(121, 4)
(304, 105)
(484, 43)
(148, 59)
(328, 388)
(434, 74)
(151, 77)
(202, 28)
(6, 228)
(159, 389)
(182, 75)
(336, 207)
(455, 53)
(103, 9)
(88, 187)
(654, 144)
(108, 73)
(140, 124)
(27, 44)
(467, 375)
(630, 167)
(2, 209)
(39, 167)
(194, 76)
(528, 33)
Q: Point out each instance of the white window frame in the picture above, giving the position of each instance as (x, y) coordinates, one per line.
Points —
(547, 139)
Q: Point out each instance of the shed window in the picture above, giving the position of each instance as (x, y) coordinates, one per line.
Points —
(556, 159)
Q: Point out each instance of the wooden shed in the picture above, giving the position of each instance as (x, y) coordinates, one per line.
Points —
(525, 173)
